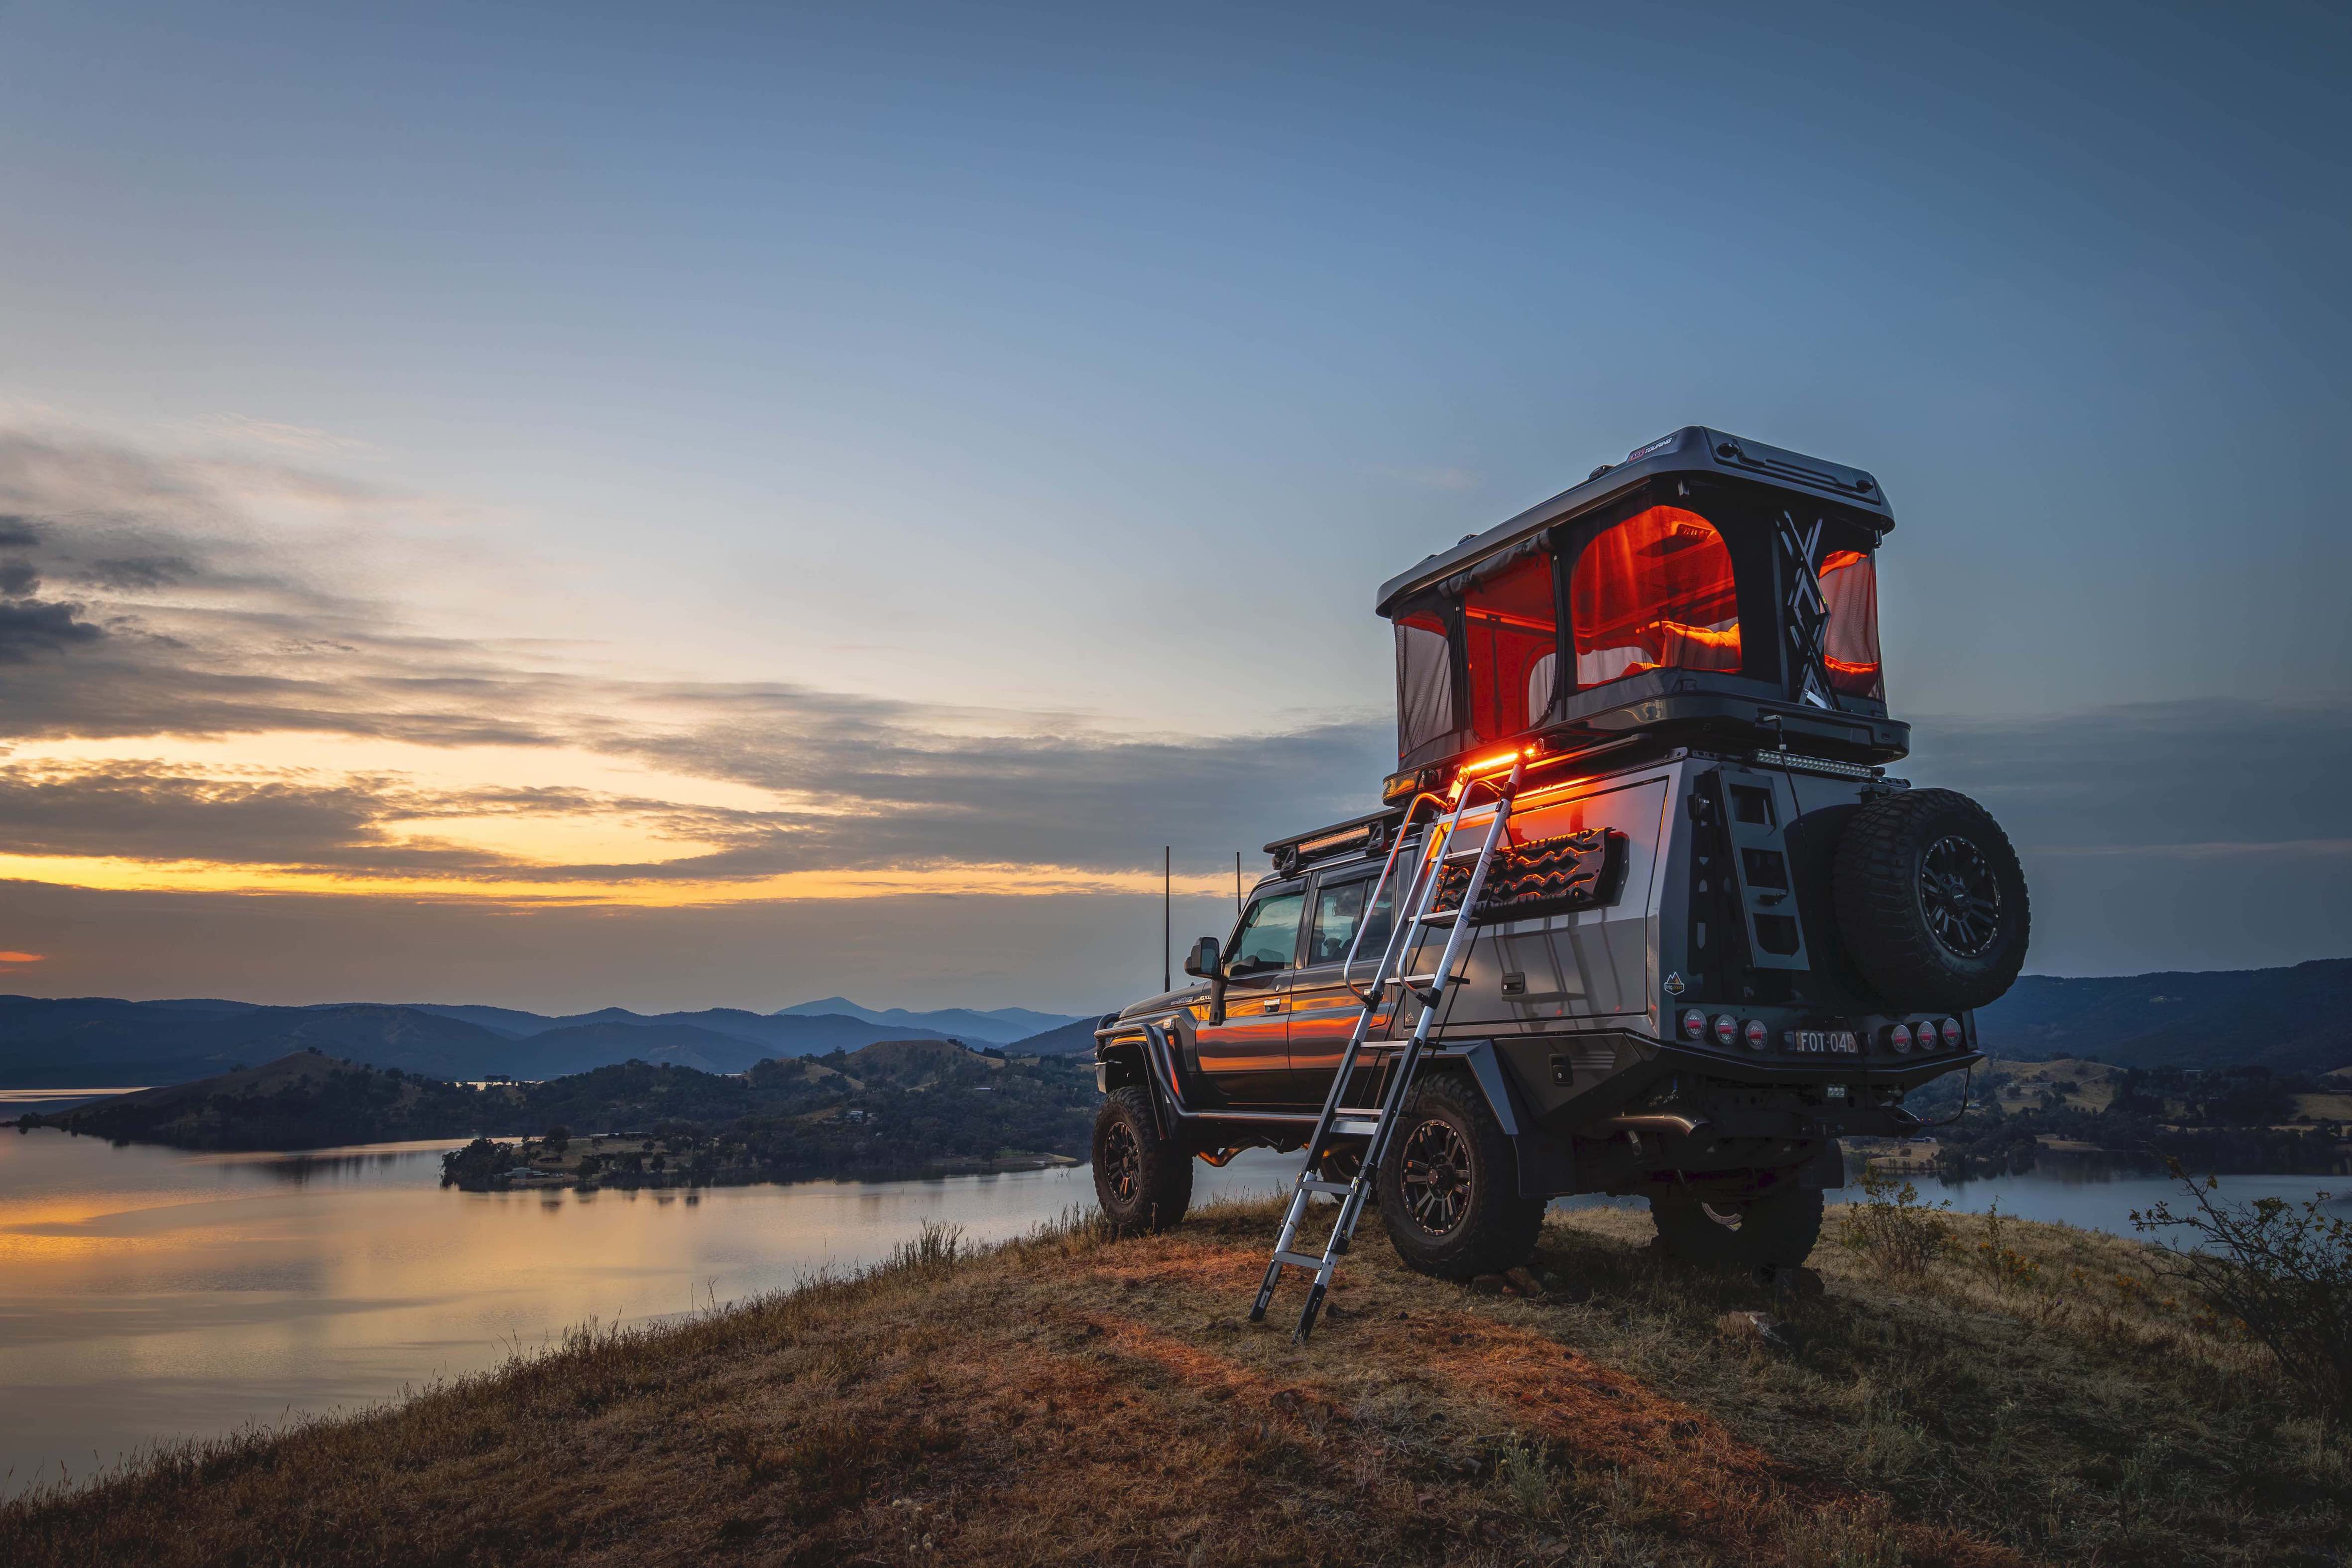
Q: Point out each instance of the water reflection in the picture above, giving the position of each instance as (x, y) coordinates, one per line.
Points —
(147, 1293)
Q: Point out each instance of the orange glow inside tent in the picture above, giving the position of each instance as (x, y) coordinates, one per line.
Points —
(1654, 591)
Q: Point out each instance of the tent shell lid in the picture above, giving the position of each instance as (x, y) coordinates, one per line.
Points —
(1693, 449)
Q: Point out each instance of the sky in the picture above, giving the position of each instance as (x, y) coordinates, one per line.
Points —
(719, 505)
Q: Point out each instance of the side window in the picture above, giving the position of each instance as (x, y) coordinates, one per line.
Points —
(1338, 909)
(1269, 932)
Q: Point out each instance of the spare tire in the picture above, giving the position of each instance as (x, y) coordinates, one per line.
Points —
(1931, 900)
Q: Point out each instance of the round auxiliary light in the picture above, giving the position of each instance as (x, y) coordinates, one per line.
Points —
(1726, 1029)
(1695, 1025)
(1756, 1032)
(1900, 1037)
(1954, 1036)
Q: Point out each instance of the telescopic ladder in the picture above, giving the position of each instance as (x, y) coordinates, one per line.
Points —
(1377, 1123)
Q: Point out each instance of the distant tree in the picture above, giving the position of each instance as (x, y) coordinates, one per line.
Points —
(557, 1139)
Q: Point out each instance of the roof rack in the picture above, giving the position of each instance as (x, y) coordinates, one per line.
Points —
(1364, 835)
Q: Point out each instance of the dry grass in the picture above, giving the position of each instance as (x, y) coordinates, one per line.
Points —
(1074, 1400)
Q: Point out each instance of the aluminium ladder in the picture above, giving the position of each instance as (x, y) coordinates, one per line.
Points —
(1377, 1123)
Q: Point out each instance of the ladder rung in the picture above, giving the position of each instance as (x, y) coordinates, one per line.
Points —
(1441, 917)
(1336, 1189)
(1360, 1129)
(1299, 1260)
(1463, 857)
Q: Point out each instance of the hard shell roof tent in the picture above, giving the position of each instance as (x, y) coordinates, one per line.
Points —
(1708, 587)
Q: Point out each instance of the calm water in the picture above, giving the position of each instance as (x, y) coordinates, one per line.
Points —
(149, 1293)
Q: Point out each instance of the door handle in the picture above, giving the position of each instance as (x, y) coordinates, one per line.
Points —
(1274, 1005)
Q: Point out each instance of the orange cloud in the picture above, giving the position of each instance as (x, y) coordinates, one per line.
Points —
(22, 957)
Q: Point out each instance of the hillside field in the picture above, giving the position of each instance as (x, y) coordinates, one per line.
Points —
(1075, 1400)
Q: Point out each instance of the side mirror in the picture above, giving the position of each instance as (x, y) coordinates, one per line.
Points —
(1202, 960)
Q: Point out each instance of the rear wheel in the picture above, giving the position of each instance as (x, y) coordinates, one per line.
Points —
(1778, 1229)
(1449, 1193)
(1143, 1181)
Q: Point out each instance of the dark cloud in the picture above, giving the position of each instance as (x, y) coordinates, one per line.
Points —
(31, 628)
(18, 579)
(17, 532)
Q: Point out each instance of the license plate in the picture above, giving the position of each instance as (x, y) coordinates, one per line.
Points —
(1821, 1041)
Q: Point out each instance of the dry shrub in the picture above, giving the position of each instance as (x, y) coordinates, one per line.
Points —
(1893, 1231)
(2280, 1272)
(2009, 1269)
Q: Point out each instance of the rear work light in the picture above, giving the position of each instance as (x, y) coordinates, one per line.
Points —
(1954, 1036)
(1726, 1029)
(1898, 1037)
(1757, 1034)
(1695, 1025)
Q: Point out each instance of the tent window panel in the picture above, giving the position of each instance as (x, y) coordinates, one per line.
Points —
(1654, 591)
(1850, 642)
(1511, 627)
(1425, 682)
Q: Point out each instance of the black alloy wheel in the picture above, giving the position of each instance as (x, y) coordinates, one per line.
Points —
(1143, 1180)
(1931, 902)
(1449, 1185)
(1120, 1167)
(1960, 896)
(1436, 1177)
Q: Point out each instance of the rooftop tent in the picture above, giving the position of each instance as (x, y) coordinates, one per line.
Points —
(1675, 596)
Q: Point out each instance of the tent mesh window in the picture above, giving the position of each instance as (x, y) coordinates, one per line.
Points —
(1654, 591)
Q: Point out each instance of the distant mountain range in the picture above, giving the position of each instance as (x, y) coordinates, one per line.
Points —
(2296, 1019)
(88, 1042)
(2290, 1020)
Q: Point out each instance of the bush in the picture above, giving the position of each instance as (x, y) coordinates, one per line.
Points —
(1891, 1230)
(2280, 1271)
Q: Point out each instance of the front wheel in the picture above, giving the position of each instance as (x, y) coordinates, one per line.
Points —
(1779, 1230)
(1448, 1190)
(1143, 1181)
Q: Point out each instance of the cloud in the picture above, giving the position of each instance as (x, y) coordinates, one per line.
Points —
(195, 630)
(30, 627)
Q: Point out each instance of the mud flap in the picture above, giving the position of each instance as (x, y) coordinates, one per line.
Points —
(1545, 1165)
(1826, 1169)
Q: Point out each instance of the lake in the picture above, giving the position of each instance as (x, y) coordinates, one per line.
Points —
(148, 1293)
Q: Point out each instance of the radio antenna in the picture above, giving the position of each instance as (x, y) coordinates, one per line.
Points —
(1237, 882)
(1167, 915)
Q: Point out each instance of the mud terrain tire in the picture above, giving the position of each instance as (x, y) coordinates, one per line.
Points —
(1449, 1189)
(1143, 1181)
(1931, 902)
(1780, 1229)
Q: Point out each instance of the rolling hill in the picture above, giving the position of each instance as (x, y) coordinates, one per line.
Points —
(2296, 1019)
(94, 1041)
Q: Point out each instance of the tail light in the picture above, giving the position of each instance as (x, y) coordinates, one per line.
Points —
(1695, 1025)
(1756, 1032)
(1898, 1037)
(1726, 1029)
(1954, 1036)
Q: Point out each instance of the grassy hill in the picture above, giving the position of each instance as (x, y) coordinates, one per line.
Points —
(1074, 1400)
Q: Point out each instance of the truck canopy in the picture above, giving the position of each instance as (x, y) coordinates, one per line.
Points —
(1704, 566)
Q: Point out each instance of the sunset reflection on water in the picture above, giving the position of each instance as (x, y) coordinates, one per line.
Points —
(149, 1293)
